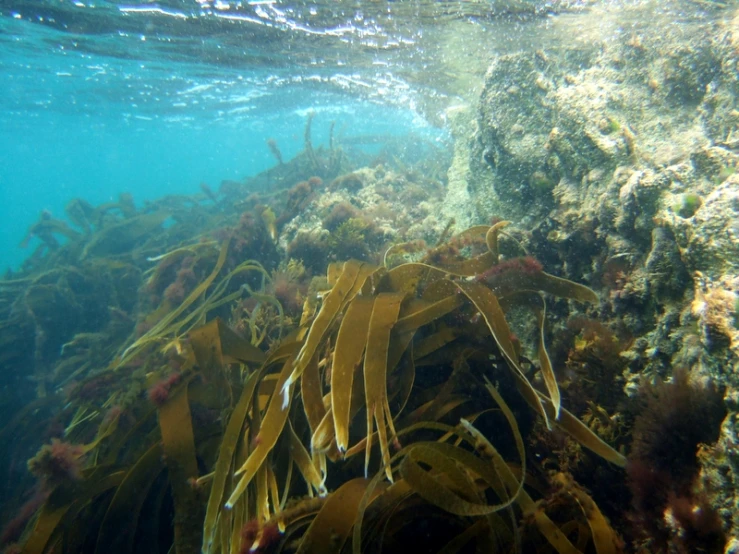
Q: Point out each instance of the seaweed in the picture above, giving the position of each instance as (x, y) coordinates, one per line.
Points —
(250, 412)
(124, 235)
(663, 466)
(371, 338)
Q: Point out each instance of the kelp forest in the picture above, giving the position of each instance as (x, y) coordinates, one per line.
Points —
(202, 374)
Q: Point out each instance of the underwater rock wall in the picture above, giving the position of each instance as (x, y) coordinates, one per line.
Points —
(621, 156)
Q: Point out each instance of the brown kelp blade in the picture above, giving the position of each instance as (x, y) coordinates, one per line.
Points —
(62, 506)
(345, 288)
(350, 344)
(158, 330)
(215, 340)
(487, 304)
(604, 537)
(491, 238)
(423, 312)
(431, 486)
(407, 277)
(584, 435)
(311, 393)
(572, 425)
(547, 371)
(271, 429)
(225, 463)
(516, 280)
(175, 424)
(118, 528)
(311, 474)
(330, 528)
(546, 526)
(564, 288)
(384, 316)
(124, 234)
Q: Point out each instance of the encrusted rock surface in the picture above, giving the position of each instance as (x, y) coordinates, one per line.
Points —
(621, 157)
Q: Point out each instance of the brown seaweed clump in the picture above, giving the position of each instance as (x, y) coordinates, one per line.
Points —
(340, 213)
(369, 405)
(670, 512)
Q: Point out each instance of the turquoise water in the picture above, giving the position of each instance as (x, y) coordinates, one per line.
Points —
(94, 101)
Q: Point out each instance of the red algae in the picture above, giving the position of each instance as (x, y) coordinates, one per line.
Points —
(524, 265)
(57, 462)
(175, 292)
(159, 392)
(14, 528)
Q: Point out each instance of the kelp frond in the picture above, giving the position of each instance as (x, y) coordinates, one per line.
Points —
(363, 335)
(338, 403)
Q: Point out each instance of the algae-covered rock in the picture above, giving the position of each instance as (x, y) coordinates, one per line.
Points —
(713, 232)
(516, 117)
(458, 201)
(623, 153)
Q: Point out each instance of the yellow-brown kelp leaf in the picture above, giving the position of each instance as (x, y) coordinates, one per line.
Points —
(570, 424)
(515, 279)
(323, 436)
(45, 228)
(604, 537)
(432, 485)
(491, 239)
(307, 469)
(546, 526)
(62, 506)
(167, 261)
(451, 464)
(225, 462)
(159, 329)
(350, 344)
(545, 363)
(422, 312)
(432, 343)
(333, 272)
(330, 528)
(270, 430)
(261, 482)
(175, 424)
(384, 315)
(345, 288)
(118, 528)
(398, 490)
(584, 435)
(407, 278)
(233, 520)
(564, 288)
(487, 304)
(487, 450)
(311, 392)
(215, 340)
(465, 267)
